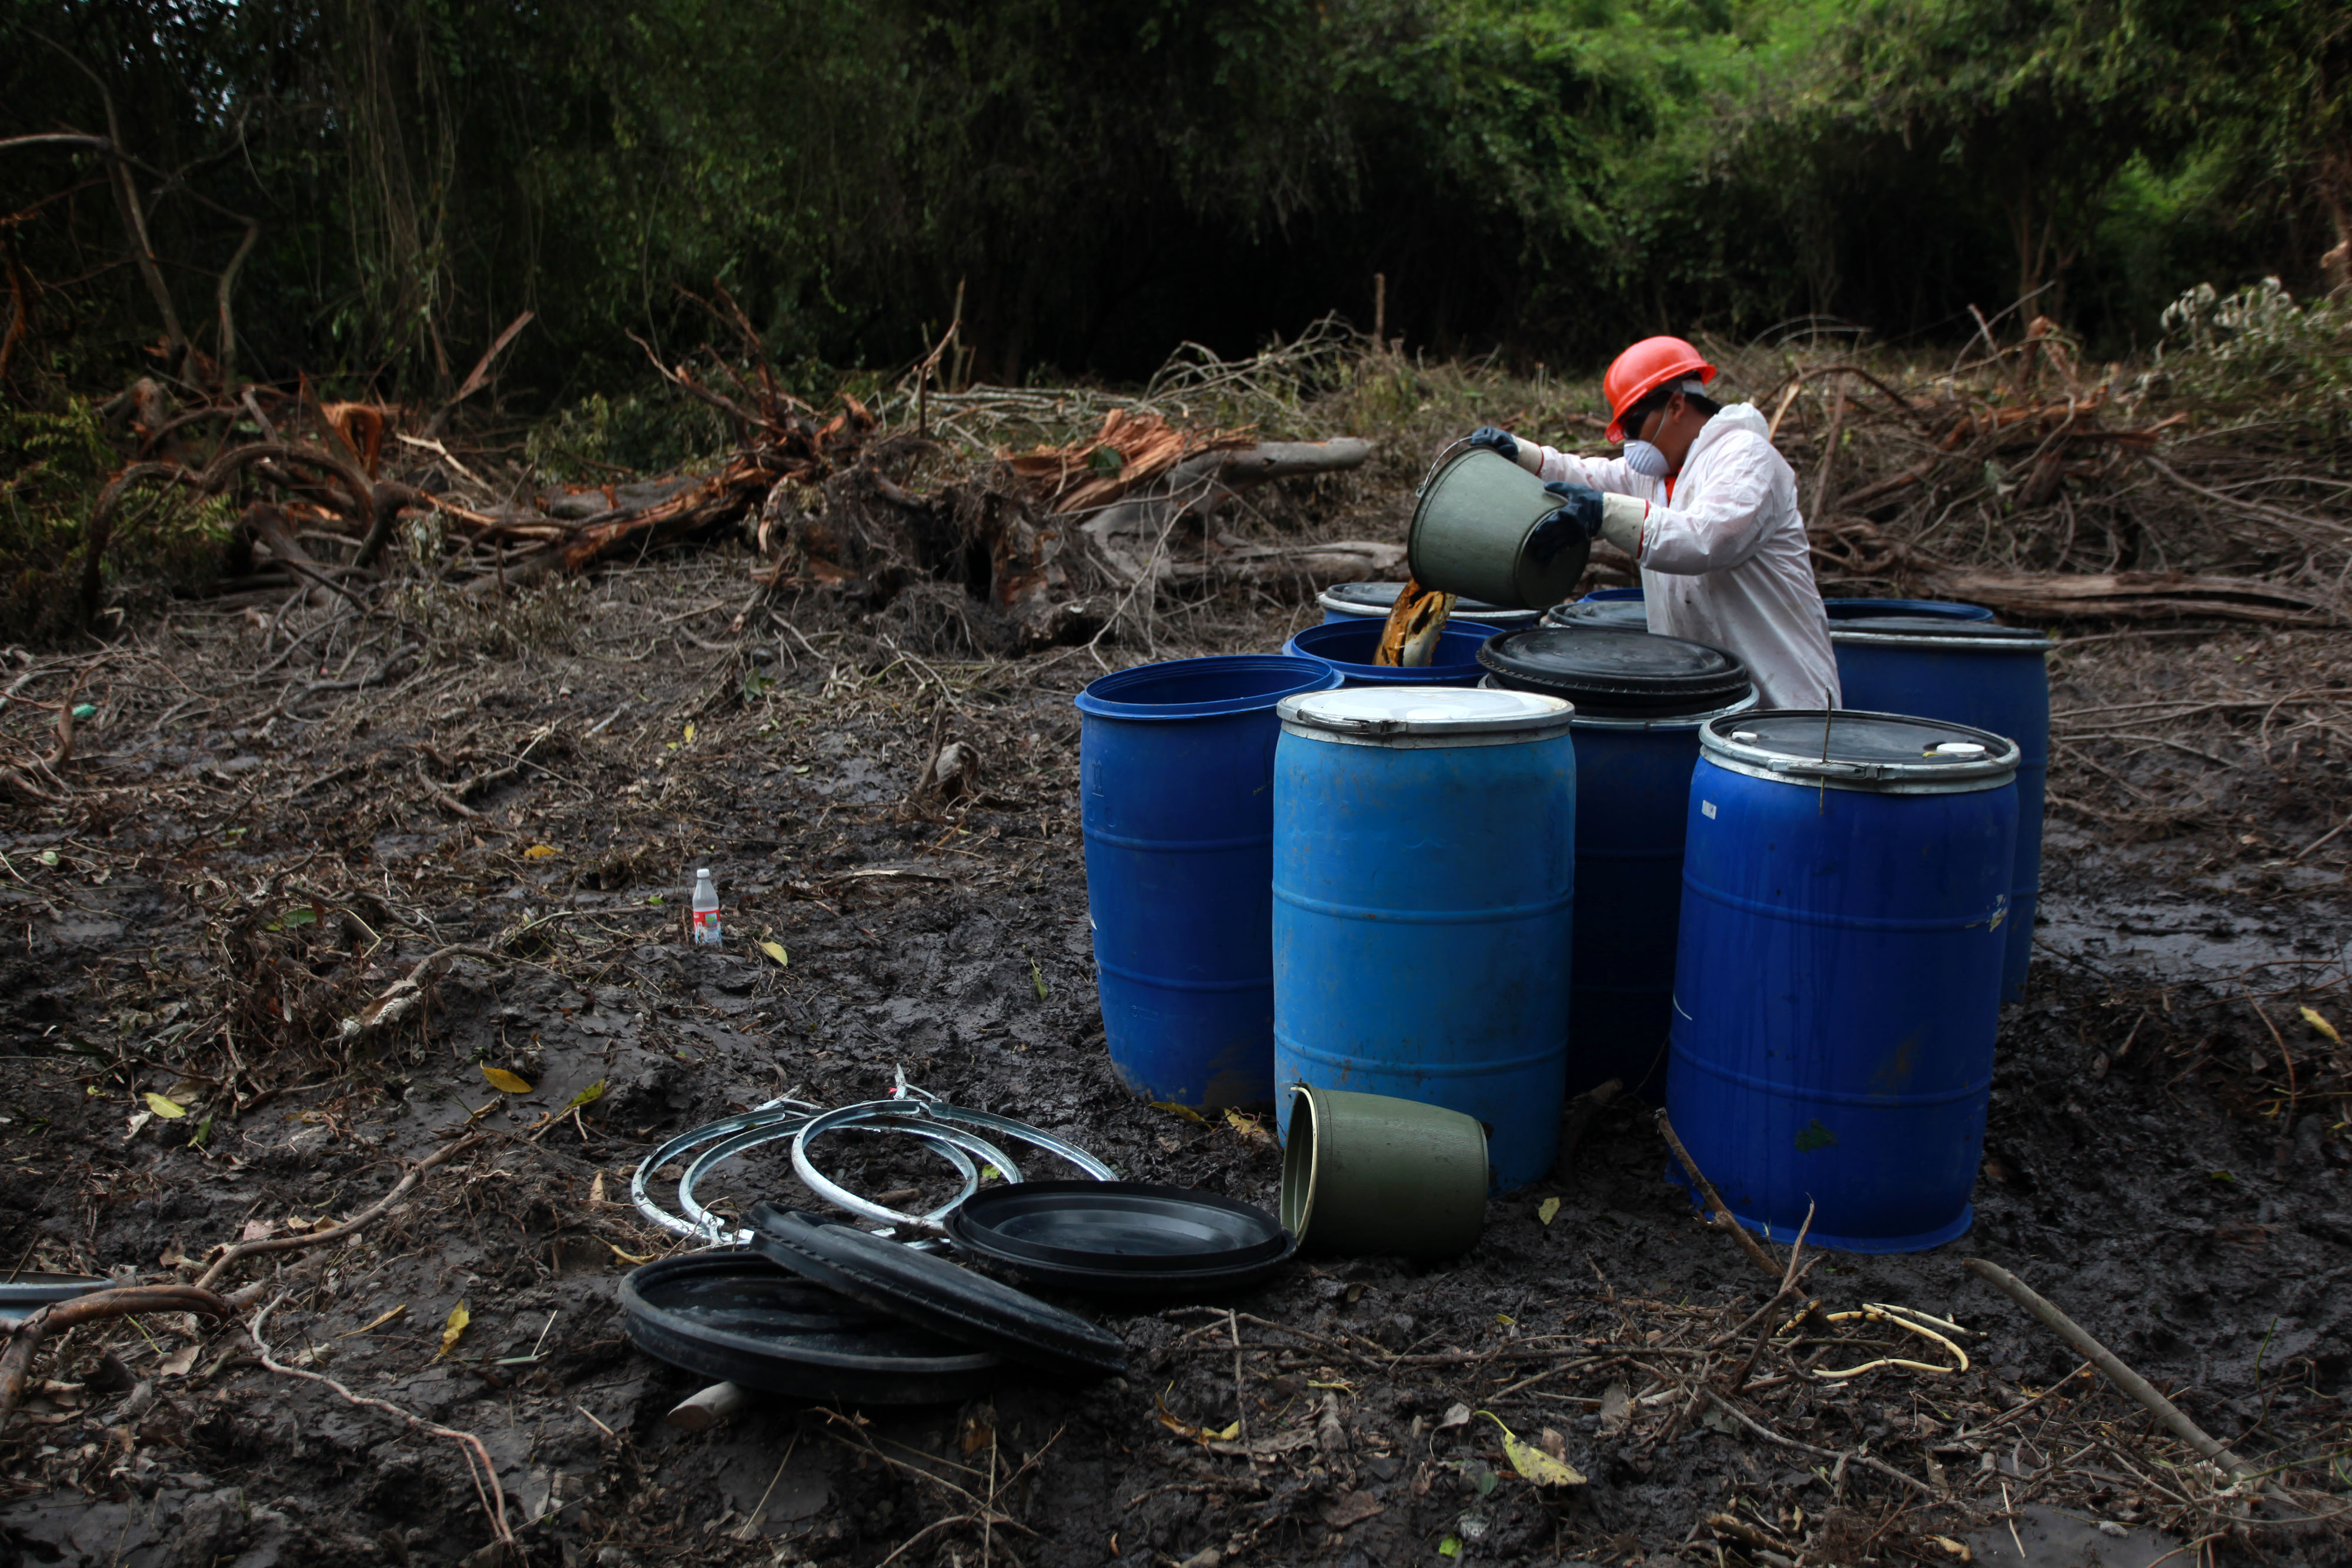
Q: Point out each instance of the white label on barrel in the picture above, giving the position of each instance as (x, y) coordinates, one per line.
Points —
(1706, 810)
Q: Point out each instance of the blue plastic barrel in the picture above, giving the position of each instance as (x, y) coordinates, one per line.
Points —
(1640, 700)
(1347, 647)
(1424, 879)
(1373, 600)
(1873, 609)
(1973, 673)
(1176, 802)
(1845, 899)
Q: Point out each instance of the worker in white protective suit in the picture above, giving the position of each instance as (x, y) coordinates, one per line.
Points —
(1707, 506)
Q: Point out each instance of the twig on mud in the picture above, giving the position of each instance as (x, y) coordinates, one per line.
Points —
(485, 1483)
(1786, 1292)
(1769, 1436)
(1720, 1211)
(2105, 1360)
(244, 1250)
(16, 1362)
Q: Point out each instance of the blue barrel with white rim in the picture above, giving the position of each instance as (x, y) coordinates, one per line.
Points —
(1373, 600)
(1640, 700)
(1176, 803)
(1879, 609)
(1972, 672)
(1347, 646)
(1845, 893)
(1424, 867)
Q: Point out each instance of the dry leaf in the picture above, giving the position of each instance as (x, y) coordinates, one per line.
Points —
(596, 1190)
(1349, 1508)
(506, 1082)
(1532, 1463)
(180, 1362)
(1174, 1109)
(1455, 1416)
(458, 1318)
(1955, 1548)
(1616, 1408)
(256, 1230)
(540, 853)
(1547, 1211)
(1248, 1127)
(169, 1109)
(2318, 1020)
(775, 950)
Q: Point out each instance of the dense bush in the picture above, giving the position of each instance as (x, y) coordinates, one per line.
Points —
(1099, 182)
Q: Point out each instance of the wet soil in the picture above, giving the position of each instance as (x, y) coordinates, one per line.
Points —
(2166, 1158)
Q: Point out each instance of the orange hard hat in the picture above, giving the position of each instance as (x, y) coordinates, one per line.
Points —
(1643, 370)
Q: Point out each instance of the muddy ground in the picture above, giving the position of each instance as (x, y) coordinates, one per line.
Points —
(258, 842)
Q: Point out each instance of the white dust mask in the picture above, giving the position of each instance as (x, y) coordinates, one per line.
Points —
(1646, 460)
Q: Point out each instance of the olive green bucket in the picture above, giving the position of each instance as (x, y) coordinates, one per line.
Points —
(1366, 1173)
(1470, 531)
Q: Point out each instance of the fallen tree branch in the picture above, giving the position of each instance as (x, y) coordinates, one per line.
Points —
(485, 1483)
(2139, 596)
(16, 1362)
(1721, 1211)
(243, 1249)
(2105, 1360)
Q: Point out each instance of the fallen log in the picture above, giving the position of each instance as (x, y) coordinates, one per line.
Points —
(1129, 535)
(2140, 596)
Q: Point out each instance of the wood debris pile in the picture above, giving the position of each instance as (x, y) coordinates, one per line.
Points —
(2024, 481)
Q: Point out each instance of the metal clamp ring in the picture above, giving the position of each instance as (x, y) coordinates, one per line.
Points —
(954, 1144)
(885, 1111)
(784, 1113)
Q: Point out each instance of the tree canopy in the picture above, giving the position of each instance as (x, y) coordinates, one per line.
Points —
(383, 184)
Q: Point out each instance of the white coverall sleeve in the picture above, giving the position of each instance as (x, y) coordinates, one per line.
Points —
(1606, 473)
(1725, 528)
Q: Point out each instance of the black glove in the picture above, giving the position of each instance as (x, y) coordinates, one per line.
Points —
(1578, 518)
(1495, 440)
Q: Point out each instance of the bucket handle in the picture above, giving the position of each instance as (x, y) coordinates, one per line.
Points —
(1439, 462)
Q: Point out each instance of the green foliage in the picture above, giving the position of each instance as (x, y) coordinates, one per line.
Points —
(641, 432)
(57, 457)
(1096, 183)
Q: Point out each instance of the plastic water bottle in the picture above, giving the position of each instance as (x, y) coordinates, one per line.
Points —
(706, 909)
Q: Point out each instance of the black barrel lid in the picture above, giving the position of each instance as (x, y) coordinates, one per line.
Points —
(734, 1315)
(1932, 626)
(1864, 750)
(1382, 596)
(1626, 613)
(1609, 673)
(1121, 1238)
(1131, 1226)
(933, 1293)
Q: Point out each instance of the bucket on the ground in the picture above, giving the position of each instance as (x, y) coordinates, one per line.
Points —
(1845, 903)
(1470, 530)
(1424, 875)
(1879, 609)
(1640, 701)
(1972, 672)
(1373, 600)
(1347, 646)
(1176, 803)
(1371, 1173)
